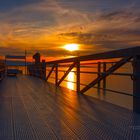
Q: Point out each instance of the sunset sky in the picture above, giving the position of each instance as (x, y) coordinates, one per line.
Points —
(47, 25)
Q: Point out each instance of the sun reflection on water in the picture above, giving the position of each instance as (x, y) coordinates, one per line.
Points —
(71, 77)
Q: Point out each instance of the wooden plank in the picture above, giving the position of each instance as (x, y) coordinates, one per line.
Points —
(38, 106)
(71, 123)
(41, 111)
(6, 127)
(103, 126)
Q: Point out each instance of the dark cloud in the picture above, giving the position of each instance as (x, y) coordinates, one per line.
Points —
(6, 5)
(116, 14)
(75, 34)
(108, 38)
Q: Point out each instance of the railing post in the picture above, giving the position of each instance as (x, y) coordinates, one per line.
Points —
(56, 74)
(136, 84)
(78, 77)
(25, 63)
(99, 71)
(43, 69)
(104, 80)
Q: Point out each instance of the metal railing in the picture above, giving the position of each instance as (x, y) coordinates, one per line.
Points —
(100, 86)
(101, 60)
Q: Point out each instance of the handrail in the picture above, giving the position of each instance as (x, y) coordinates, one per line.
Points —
(129, 52)
(121, 57)
(126, 55)
(99, 73)
(119, 74)
(105, 89)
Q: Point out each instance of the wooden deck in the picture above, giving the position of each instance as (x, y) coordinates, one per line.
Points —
(31, 109)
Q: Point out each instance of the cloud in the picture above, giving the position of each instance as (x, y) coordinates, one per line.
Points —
(9, 5)
(112, 30)
(47, 25)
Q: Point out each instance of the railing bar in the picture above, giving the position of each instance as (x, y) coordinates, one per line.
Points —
(108, 72)
(114, 91)
(93, 63)
(66, 73)
(119, 74)
(50, 72)
(119, 92)
(110, 90)
(87, 67)
(52, 77)
(70, 65)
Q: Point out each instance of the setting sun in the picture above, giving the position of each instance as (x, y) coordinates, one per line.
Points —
(72, 47)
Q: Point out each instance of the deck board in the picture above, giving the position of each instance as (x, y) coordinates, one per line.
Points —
(32, 109)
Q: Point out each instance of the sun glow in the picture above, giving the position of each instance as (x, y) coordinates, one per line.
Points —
(72, 47)
(71, 78)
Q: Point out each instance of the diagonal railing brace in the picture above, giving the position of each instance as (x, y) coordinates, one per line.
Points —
(108, 72)
(50, 73)
(67, 72)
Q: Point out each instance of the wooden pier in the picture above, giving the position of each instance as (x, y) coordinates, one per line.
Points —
(31, 109)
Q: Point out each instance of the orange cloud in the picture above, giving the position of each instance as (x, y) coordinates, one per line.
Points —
(49, 24)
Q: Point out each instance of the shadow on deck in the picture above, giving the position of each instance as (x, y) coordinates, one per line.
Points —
(31, 109)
